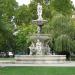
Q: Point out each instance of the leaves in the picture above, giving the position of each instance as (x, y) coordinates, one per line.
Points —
(63, 43)
(60, 25)
(23, 15)
(63, 6)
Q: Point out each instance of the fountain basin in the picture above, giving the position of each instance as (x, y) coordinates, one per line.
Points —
(40, 37)
(39, 21)
(40, 59)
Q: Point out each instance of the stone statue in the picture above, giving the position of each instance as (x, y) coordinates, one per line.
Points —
(39, 11)
(32, 48)
(39, 47)
(38, 29)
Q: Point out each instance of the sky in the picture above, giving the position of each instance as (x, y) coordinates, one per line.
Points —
(73, 2)
(21, 2)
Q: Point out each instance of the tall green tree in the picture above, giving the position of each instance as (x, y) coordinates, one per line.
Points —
(7, 10)
(64, 7)
(62, 31)
(63, 43)
(23, 15)
(33, 9)
(23, 37)
(61, 25)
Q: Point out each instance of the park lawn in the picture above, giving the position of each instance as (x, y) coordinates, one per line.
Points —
(37, 71)
(7, 59)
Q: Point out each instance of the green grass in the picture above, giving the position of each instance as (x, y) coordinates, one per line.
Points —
(37, 71)
(7, 59)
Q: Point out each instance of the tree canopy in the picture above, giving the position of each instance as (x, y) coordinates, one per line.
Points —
(64, 7)
(60, 24)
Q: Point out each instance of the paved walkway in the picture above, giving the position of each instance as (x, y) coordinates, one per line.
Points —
(66, 64)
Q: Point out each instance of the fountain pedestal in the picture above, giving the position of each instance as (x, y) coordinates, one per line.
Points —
(39, 44)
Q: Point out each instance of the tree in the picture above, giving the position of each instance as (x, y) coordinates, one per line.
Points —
(23, 15)
(7, 10)
(42, 1)
(38, 1)
(61, 25)
(63, 43)
(33, 10)
(23, 37)
(62, 30)
(62, 6)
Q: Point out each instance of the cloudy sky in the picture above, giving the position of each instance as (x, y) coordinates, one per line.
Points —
(73, 2)
(21, 2)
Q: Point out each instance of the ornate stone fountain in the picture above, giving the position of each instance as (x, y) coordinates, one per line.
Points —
(39, 44)
(39, 49)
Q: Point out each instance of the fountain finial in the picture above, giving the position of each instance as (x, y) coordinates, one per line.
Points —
(39, 11)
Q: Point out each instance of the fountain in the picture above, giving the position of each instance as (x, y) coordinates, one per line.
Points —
(40, 41)
(39, 48)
